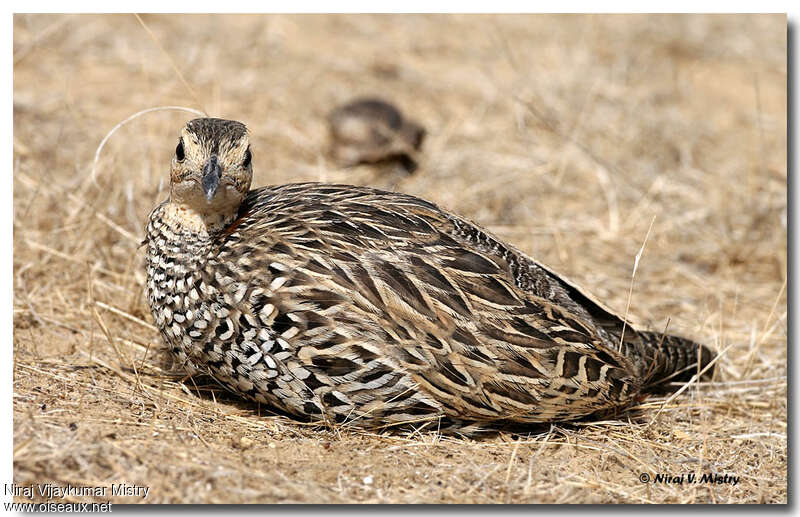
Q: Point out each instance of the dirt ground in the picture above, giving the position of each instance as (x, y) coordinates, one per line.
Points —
(565, 135)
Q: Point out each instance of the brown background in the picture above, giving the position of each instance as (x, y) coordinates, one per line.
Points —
(565, 135)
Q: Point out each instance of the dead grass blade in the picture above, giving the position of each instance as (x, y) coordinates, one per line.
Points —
(127, 120)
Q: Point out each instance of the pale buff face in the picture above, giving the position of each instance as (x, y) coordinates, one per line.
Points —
(211, 169)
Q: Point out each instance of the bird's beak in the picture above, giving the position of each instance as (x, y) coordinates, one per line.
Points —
(211, 175)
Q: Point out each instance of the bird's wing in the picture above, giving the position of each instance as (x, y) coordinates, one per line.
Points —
(469, 320)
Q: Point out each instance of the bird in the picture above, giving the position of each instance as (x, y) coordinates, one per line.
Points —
(347, 305)
(372, 130)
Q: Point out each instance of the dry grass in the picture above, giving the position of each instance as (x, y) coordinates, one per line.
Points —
(565, 135)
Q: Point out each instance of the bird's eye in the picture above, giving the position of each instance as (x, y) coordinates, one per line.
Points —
(179, 151)
(247, 157)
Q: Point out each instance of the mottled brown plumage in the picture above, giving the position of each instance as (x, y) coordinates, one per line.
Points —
(349, 304)
(371, 130)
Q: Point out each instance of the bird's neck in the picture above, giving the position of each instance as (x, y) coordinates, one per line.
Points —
(191, 220)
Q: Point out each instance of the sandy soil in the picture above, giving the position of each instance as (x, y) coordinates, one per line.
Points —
(565, 135)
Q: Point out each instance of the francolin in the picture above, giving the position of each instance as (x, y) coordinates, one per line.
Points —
(371, 130)
(347, 304)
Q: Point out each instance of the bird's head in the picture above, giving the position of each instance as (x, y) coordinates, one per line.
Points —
(211, 170)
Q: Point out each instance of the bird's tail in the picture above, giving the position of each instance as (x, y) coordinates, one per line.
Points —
(673, 359)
